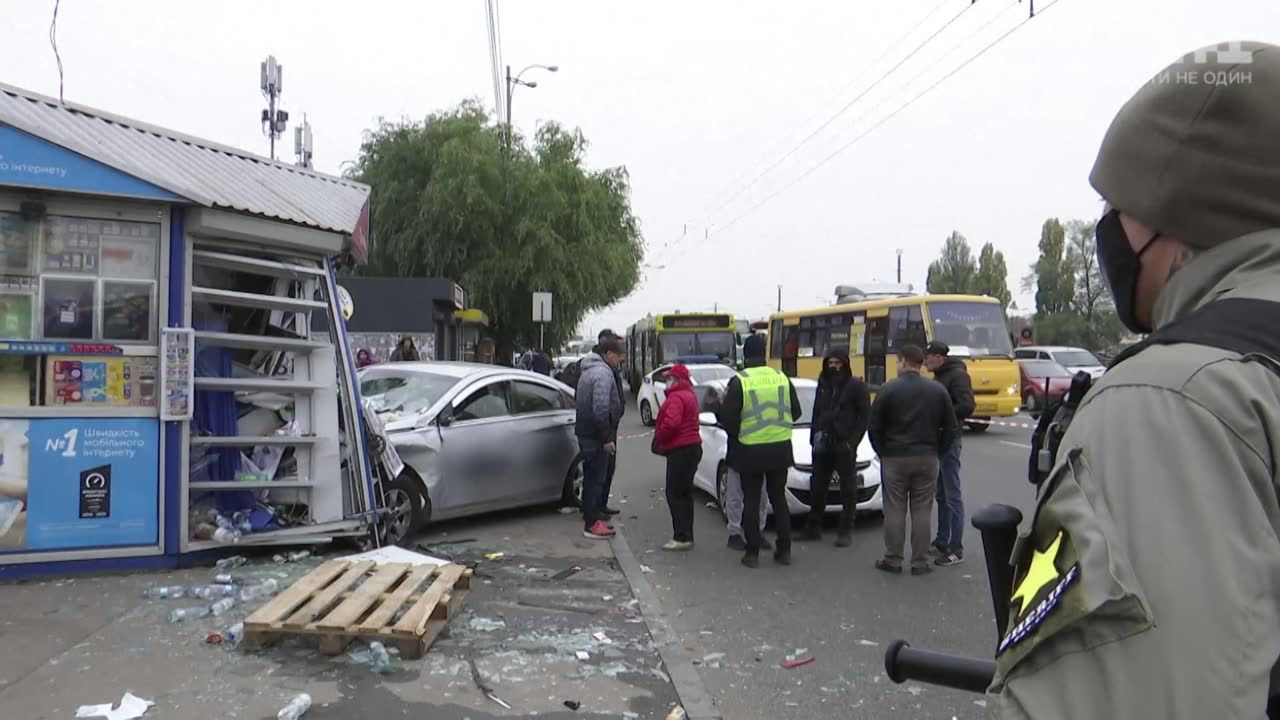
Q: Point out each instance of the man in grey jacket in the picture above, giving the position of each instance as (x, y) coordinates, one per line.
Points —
(1148, 585)
(600, 407)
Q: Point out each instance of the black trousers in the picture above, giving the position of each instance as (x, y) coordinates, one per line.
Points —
(682, 463)
(838, 460)
(773, 482)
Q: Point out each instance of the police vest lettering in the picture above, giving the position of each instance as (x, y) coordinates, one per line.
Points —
(766, 407)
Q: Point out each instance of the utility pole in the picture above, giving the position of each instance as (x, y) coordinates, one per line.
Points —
(899, 266)
(273, 119)
(779, 298)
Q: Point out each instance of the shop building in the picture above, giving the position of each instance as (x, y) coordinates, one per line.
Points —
(432, 312)
(163, 371)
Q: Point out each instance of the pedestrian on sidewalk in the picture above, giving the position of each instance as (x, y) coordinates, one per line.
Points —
(841, 410)
(570, 377)
(954, 376)
(758, 414)
(677, 437)
(405, 351)
(599, 406)
(912, 425)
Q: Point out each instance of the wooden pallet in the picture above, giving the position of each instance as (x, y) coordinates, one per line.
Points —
(340, 601)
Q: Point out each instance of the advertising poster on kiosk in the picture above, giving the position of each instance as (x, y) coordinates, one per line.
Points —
(78, 483)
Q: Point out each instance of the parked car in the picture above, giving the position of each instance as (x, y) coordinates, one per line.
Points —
(653, 390)
(1042, 381)
(1072, 358)
(713, 473)
(474, 437)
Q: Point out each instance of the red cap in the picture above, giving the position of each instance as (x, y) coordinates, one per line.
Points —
(679, 371)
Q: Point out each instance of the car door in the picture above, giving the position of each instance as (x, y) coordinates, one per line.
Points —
(660, 386)
(476, 455)
(544, 442)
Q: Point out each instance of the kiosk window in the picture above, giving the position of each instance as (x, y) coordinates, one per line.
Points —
(127, 310)
(69, 305)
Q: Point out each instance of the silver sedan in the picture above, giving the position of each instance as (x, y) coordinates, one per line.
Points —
(474, 438)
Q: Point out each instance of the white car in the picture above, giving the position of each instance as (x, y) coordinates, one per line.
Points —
(1072, 358)
(653, 388)
(713, 473)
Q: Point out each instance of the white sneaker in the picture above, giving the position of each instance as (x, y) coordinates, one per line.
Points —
(677, 546)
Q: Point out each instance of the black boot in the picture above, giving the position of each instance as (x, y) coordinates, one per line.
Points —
(782, 557)
(751, 559)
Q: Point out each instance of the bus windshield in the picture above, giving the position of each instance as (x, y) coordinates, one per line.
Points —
(978, 328)
(676, 345)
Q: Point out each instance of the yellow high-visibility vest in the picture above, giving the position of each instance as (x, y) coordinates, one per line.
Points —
(766, 406)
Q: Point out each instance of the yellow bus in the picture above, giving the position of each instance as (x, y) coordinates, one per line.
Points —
(679, 337)
(973, 326)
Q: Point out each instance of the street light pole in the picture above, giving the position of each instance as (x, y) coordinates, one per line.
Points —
(512, 82)
(899, 266)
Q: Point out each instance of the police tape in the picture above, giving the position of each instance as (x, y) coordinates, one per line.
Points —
(1000, 423)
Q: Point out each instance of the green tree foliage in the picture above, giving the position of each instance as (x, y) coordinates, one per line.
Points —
(449, 200)
(992, 276)
(955, 271)
(1052, 274)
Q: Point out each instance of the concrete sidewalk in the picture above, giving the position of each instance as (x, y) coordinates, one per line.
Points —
(87, 640)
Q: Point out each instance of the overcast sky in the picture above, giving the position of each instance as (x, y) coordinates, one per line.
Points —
(695, 99)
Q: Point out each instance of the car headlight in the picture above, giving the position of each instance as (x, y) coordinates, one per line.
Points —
(1011, 390)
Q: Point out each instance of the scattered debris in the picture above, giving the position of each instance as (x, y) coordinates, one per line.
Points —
(646, 568)
(494, 555)
(602, 638)
(377, 657)
(567, 572)
(713, 657)
(488, 691)
(915, 690)
(705, 632)
(131, 706)
(232, 562)
(583, 655)
(677, 713)
(394, 554)
(180, 614)
(296, 707)
(606, 598)
(980, 703)
(797, 663)
(572, 704)
(482, 624)
(869, 643)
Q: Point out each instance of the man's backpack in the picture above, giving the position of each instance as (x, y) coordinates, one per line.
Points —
(569, 376)
(1247, 327)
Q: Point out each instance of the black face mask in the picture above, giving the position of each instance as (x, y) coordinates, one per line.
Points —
(1121, 266)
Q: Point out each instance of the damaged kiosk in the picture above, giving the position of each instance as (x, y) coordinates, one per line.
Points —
(162, 393)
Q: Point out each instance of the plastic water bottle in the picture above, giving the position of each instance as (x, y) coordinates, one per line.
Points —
(160, 593)
(299, 555)
(226, 536)
(233, 635)
(296, 707)
(231, 562)
(225, 579)
(267, 588)
(191, 613)
(209, 592)
(222, 606)
(379, 658)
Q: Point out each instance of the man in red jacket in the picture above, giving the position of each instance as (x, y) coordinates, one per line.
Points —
(677, 436)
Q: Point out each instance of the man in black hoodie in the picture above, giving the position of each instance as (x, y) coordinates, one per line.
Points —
(841, 410)
(954, 376)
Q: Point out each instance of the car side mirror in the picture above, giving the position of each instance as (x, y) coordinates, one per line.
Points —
(445, 418)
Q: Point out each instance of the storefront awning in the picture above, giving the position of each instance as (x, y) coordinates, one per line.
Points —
(472, 315)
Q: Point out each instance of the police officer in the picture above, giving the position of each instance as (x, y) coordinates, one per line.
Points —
(1149, 583)
(758, 413)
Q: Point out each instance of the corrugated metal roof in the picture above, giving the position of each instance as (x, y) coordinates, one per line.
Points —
(200, 170)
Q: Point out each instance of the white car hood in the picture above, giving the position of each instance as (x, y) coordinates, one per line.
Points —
(1094, 370)
(802, 451)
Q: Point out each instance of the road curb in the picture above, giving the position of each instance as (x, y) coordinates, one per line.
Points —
(697, 702)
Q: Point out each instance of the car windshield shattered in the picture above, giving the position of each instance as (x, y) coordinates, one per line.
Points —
(405, 394)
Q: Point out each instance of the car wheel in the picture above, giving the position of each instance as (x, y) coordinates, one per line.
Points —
(646, 413)
(406, 510)
(977, 427)
(571, 495)
(722, 489)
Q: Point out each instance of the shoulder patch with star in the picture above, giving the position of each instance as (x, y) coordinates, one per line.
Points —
(1038, 592)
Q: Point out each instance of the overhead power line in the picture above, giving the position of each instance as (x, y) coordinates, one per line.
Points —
(818, 110)
(882, 121)
(836, 115)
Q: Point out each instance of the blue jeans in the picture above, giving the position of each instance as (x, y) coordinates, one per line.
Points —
(596, 462)
(950, 503)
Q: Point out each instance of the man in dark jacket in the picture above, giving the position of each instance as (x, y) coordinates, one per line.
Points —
(759, 431)
(600, 407)
(841, 409)
(912, 425)
(954, 376)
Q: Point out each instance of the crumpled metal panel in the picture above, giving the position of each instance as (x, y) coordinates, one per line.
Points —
(200, 170)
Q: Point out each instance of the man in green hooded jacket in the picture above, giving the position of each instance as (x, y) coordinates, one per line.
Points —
(1148, 585)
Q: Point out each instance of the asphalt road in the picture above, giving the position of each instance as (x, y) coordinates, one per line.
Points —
(740, 625)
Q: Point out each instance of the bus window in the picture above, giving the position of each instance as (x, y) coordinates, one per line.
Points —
(877, 340)
(906, 327)
(790, 351)
(775, 340)
(979, 327)
(813, 336)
